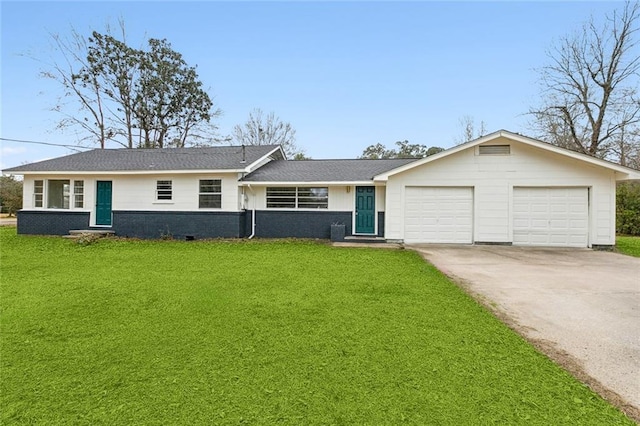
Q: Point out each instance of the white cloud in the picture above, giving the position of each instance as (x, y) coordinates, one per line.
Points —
(10, 150)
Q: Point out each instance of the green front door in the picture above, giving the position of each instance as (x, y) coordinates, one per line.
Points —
(365, 209)
(103, 202)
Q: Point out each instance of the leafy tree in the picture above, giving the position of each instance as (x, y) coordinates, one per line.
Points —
(433, 150)
(169, 99)
(116, 65)
(149, 98)
(404, 150)
(407, 150)
(261, 129)
(628, 208)
(377, 151)
(10, 194)
(300, 156)
(590, 101)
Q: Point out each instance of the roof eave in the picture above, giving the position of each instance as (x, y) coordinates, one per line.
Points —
(251, 167)
(307, 183)
(625, 171)
(123, 172)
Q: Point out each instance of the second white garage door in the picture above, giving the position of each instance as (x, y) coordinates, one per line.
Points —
(551, 217)
(438, 215)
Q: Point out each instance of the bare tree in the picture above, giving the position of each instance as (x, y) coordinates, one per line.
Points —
(267, 130)
(79, 85)
(590, 100)
(469, 129)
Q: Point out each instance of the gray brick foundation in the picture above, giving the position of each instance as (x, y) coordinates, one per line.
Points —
(195, 225)
(47, 222)
(179, 225)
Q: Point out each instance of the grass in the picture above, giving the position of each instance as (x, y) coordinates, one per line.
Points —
(142, 332)
(628, 245)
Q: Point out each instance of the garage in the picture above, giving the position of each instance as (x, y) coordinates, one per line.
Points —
(551, 217)
(438, 215)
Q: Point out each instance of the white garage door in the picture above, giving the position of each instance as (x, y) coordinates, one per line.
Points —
(551, 217)
(438, 215)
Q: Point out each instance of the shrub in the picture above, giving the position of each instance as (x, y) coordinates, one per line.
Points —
(628, 208)
(10, 194)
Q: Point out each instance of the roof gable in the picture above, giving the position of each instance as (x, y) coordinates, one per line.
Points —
(231, 158)
(625, 173)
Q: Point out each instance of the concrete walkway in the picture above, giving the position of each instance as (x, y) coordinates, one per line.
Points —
(580, 307)
(8, 221)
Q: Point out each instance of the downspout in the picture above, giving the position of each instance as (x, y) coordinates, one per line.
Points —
(253, 215)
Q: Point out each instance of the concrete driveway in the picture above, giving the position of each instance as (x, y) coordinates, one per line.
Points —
(580, 307)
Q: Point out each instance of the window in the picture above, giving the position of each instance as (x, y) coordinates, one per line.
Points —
(313, 198)
(163, 190)
(210, 195)
(38, 193)
(58, 194)
(78, 194)
(302, 198)
(281, 198)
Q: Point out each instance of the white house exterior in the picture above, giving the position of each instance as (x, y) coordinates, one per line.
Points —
(141, 193)
(503, 188)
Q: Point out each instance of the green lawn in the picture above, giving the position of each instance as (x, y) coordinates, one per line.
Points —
(628, 245)
(139, 332)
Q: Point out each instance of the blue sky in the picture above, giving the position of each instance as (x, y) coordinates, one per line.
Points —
(345, 74)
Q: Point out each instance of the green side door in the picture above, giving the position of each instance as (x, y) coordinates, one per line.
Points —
(365, 209)
(103, 202)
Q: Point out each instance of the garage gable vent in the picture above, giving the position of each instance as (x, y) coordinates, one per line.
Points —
(494, 149)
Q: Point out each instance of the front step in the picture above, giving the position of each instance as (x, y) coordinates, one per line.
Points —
(365, 239)
(98, 233)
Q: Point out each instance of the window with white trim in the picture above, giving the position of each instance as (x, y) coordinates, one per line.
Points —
(78, 194)
(38, 193)
(297, 197)
(58, 193)
(210, 194)
(164, 190)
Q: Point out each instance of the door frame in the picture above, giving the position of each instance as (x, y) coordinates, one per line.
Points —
(374, 211)
(98, 182)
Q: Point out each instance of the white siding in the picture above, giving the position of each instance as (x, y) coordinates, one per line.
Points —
(27, 193)
(138, 192)
(493, 178)
(380, 198)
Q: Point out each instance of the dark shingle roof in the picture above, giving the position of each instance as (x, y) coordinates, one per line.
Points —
(323, 170)
(100, 160)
